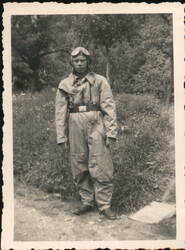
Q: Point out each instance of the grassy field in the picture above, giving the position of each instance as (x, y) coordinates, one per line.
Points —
(143, 157)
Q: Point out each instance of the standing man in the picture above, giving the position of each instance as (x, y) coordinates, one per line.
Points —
(86, 118)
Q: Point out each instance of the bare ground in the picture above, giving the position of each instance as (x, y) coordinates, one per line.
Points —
(45, 217)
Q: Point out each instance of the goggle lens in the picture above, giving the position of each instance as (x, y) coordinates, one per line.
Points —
(79, 50)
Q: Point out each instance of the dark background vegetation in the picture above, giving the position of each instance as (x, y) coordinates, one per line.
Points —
(135, 53)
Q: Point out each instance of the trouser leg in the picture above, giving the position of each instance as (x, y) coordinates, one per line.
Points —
(85, 188)
(100, 166)
(101, 170)
(79, 159)
(103, 195)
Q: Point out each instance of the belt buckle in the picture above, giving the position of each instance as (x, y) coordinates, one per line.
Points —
(82, 108)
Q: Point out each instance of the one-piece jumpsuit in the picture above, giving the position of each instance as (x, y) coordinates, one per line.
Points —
(86, 132)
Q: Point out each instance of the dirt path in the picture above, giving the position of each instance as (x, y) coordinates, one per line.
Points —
(43, 217)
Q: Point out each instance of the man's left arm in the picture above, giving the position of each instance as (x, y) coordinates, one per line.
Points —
(108, 108)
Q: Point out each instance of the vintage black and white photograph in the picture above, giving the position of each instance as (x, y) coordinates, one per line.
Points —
(93, 126)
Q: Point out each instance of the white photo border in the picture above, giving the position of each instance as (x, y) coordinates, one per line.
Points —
(177, 10)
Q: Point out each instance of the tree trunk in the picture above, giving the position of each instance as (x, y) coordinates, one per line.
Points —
(107, 65)
(35, 82)
(169, 86)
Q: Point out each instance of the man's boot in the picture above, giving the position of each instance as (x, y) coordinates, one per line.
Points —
(109, 214)
(82, 209)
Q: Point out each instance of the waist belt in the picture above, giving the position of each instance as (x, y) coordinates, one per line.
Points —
(84, 108)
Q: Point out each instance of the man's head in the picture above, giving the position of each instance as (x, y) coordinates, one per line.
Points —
(80, 60)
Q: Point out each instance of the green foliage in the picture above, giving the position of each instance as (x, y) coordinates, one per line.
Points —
(133, 51)
(143, 158)
(106, 30)
(32, 40)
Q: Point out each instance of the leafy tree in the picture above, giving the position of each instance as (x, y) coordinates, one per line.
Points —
(156, 74)
(133, 51)
(106, 31)
(31, 41)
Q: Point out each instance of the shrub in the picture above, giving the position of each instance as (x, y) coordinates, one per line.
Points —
(143, 157)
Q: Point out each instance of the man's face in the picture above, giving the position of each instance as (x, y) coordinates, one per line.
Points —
(79, 63)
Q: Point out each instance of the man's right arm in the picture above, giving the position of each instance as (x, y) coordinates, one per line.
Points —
(61, 107)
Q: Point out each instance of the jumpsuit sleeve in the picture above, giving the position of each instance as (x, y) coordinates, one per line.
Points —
(61, 107)
(108, 108)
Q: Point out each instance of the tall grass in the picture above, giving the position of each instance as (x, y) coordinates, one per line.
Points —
(143, 157)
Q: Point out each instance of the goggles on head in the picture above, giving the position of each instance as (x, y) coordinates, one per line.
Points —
(79, 50)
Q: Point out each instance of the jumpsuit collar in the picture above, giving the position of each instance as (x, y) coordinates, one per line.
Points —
(89, 77)
(68, 84)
